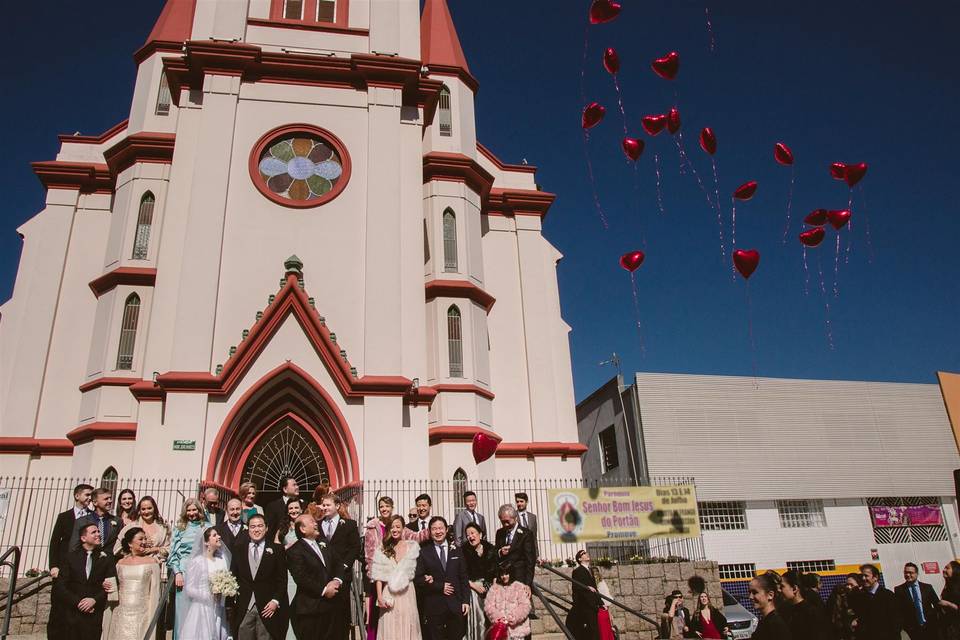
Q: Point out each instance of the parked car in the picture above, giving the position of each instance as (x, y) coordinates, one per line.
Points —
(742, 623)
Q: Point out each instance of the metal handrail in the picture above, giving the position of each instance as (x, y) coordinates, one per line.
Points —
(29, 588)
(567, 603)
(161, 603)
(535, 588)
(12, 587)
(603, 597)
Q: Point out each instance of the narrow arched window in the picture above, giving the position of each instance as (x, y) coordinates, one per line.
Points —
(455, 342)
(449, 241)
(459, 487)
(108, 480)
(445, 113)
(141, 240)
(163, 97)
(128, 332)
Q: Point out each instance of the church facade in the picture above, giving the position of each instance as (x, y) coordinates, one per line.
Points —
(294, 257)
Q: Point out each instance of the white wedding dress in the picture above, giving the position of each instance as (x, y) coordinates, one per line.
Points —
(205, 617)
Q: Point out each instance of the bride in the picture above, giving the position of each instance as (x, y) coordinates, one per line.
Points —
(393, 567)
(204, 618)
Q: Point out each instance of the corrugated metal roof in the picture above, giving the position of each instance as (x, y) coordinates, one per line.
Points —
(766, 438)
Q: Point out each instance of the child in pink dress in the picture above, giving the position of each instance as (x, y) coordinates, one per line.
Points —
(509, 601)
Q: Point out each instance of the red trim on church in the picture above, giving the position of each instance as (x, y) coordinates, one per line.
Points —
(87, 177)
(459, 289)
(309, 12)
(134, 276)
(458, 433)
(36, 446)
(140, 147)
(67, 138)
(103, 431)
(540, 449)
(456, 167)
(503, 166)
(324, 27)
(518, 202)
(463, 388)
(107, 381)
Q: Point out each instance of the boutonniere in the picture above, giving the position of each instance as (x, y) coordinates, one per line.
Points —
(103, 555)
(269, 550)
(322, 544)
(114, 522)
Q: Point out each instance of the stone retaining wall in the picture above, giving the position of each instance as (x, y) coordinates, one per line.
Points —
(30, 615)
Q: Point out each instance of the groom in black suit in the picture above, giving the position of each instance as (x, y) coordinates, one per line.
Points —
(441, 580)
(316, 611)
(60, 541)
(79, 590)
(261, 607)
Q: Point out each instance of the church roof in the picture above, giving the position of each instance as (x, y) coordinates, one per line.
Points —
(439, 44)
(175, 23)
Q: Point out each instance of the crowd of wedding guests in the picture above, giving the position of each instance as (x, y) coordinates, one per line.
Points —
(293, 562)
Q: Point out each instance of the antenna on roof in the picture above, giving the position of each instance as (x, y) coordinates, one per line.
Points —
(614, 360)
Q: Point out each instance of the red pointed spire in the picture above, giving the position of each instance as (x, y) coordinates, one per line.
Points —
(439, 44)
(175, 22)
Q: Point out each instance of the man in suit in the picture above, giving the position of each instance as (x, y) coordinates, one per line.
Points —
(528, 519)
(81, 587)
(232, 530)
(211, 503)
(918, 604)
(424, 506)
(59, 548)
(261, 571)
(342, 537)
(316, 610)
(467, 516)
(276, 511)
(877, 609)
(441, 577)
(516, 544)
(108, 524)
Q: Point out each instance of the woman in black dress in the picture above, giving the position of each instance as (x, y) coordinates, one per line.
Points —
(481, 559)
(802, 608)
(582, 619)
(950, 602)
(763, 593)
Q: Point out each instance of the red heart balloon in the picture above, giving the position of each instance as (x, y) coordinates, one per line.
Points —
(812, 237)
(483, 447)
(708, 141)
(667, 66)
(782, 154)
(838, 218)
(654, 124)
(746, 261)
(611, 61)
(603, 11)
(632, 260)
(838, 170)
(592, 115)
(855, 173)
(633, 148)
(816, 218)
(673, 120)
(746, 190)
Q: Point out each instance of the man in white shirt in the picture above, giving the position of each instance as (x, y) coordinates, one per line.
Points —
(424, 506)
(261, 571)
(232, 530)
(467, 516)
(527, 518)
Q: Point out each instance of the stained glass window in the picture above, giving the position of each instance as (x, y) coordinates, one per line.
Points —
(128, 332)
(300, 167)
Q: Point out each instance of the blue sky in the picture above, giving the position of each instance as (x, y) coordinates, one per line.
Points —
(834, 81)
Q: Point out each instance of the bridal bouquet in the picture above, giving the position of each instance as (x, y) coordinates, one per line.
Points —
(224, 583)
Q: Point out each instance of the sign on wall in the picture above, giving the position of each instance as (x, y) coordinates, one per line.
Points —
(913, 516)
(184, 445)
(623, 513)
(931, 567)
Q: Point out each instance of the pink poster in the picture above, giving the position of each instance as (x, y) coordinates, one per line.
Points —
(927, 514)
(889, 516)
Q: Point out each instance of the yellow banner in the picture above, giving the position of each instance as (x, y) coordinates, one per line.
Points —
(623, 513)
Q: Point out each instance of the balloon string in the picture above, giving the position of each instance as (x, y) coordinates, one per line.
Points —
(846, 257)
(786, 228)
(636, 199)
(716, 193)
(583, 63)
(866, 223)
(593, 183)
(826, 304)
(713, 42)
(836, 267)
(685, 159)
(636, 313)
(656, 168)
(623, 114)
(806, 274)
(753, 344)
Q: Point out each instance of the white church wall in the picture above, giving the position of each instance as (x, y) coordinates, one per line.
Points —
(395, 28)
(146, 90)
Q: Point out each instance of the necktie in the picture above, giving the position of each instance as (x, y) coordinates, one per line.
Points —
(443, 557)
(473, 517)
(509, 537)
(523, 518)
(422, 525)
(102, 526)
(89, 564)
(256, 558)
(917, 604)
(327, 527)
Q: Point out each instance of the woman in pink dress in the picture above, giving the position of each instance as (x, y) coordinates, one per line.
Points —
(394, 564)
(508, 601)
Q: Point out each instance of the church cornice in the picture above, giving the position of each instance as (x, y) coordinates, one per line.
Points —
(66, 138)
(87, 177)
(503, 166)
(456, 167)
(459, 289)
(323, 27)
(103, 431)
(134, 276)
(145, 146)
(36, 446)
(455, 72)
(518, 202)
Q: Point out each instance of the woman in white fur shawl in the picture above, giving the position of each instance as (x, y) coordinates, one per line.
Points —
(393, 567)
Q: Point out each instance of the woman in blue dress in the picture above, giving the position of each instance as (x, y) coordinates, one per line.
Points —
(190, 526)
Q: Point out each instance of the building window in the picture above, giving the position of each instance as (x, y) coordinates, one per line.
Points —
(108, 480)
(459, 486)
(446, 115)
(798, 514)
(808, 566)
(163, 97)
(907, 519)
(293, 9)
(741, 571)
(326, 11)
(299, 166)
(449, 241)
(609, 458)
(141, 241)
(128, 332)
(455, 342)
(722, 516)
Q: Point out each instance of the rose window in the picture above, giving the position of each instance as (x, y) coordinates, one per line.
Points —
(299, 166)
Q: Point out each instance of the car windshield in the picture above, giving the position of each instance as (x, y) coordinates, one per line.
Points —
(729, 600)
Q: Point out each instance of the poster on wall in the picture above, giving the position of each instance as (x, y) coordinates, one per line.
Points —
(924, 515)
(889, 516)
(623, 513)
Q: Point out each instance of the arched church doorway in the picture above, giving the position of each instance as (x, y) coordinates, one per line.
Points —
(285, 450)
